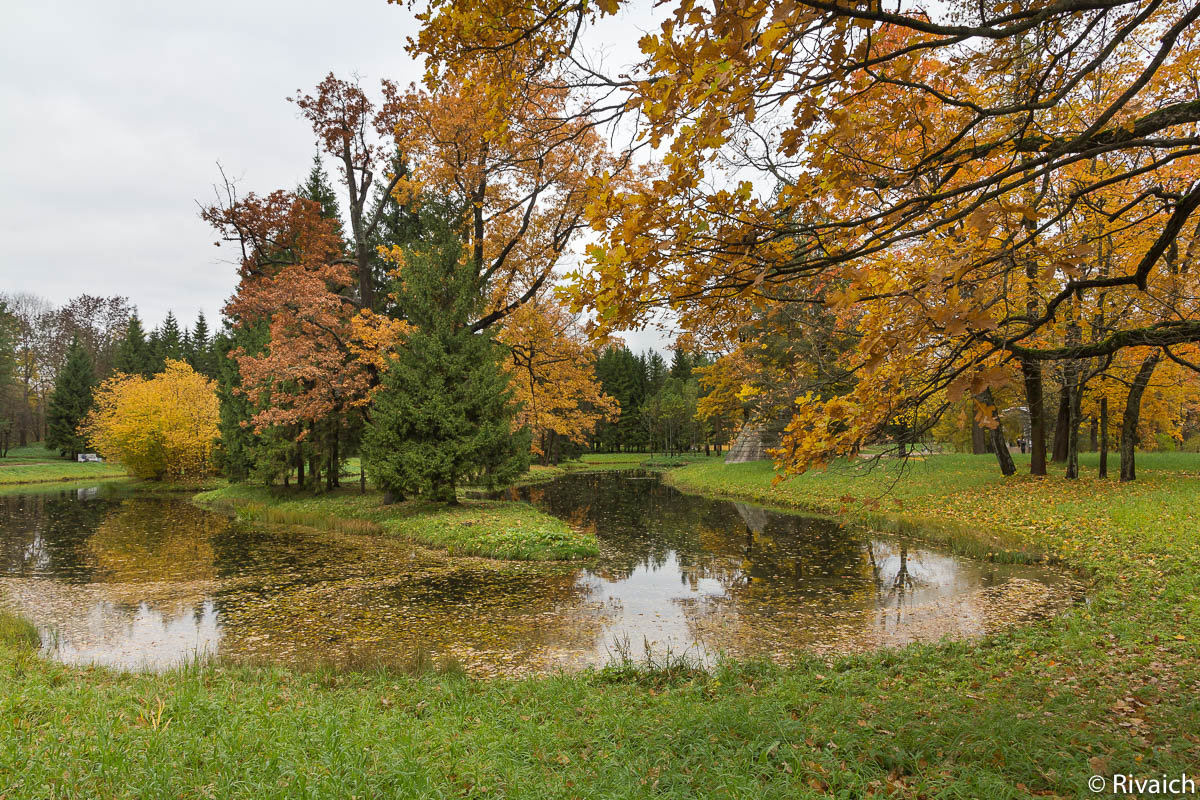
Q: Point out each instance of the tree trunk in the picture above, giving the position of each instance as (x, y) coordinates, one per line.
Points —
(1093, 436)
(1103, 437)
(336, 466)
(978, 439)
(299, 467)
(1035, 400)
(996, 435)
(362, 476)
(1062, 424)
(1133, 410)
(1073, 422)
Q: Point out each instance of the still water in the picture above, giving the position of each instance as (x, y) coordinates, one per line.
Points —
(140, 582)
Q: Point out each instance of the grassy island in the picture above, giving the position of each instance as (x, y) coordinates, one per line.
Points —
(492, 528)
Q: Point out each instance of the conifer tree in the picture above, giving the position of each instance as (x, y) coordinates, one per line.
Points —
(316, 188)
(9, 395)
(169, 341)
(200, 348)
(134, 356)
(681, 365)
(239, 443)
(444, 412)
(71, 401)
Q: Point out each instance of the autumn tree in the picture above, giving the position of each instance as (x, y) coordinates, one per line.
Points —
(31, 372)
(552, 364)
(925, 177)
(159, 428)
(305, 371)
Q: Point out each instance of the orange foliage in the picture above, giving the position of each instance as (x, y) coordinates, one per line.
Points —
(554, 376)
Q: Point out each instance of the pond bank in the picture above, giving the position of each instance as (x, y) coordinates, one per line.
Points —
(1107, 688)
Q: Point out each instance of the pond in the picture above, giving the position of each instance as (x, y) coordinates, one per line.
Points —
(150, 582)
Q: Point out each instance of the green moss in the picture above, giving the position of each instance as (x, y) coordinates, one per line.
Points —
(492, 528)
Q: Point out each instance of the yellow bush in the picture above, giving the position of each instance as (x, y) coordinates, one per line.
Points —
(163, 427)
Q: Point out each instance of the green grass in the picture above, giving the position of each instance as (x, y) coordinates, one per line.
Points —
(492, 528)
(17, 634)
(1035, 710)
(37, 464)
(31, 452)
(12, 473)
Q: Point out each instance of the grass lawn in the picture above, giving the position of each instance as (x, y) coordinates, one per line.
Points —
(36, 464)
(493, 528)
(1110, 687)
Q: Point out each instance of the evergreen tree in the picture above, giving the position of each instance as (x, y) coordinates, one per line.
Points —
(444, 411)
(10, 398)
(168, 342)
(239, 443)
(316, 187)
(655, 372)
(200, 349)
(398, 226)
(134, 356)
(681, 365)
(70, 401)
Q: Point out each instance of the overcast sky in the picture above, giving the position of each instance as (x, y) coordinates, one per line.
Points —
(113, 118)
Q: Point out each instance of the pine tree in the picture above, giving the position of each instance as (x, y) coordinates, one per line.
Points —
(399, 225)
(444, 411)
(70, 401)
(134, 356)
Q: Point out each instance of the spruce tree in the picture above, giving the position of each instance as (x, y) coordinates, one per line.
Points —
(239, 442)
(444, 412)
(316, 188)
(200, 348)
(169, 342)
(9, 394)
(70, 401)
(681, 365)
(133, 353)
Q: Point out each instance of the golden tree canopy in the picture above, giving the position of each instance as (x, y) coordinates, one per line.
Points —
(158, 428)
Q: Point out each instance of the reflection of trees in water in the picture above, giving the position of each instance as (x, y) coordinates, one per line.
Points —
(892, 589)
(153, 539)
(488, 617)
(641, 523)
(47, 534)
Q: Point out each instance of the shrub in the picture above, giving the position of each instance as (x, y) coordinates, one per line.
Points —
(164, 427)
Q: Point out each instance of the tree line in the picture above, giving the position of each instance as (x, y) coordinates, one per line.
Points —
(664, 407)
(52, 358)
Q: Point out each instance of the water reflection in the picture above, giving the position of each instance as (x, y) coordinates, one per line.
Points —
(147, 582)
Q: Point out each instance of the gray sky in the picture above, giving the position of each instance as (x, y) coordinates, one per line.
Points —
(114, 116)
